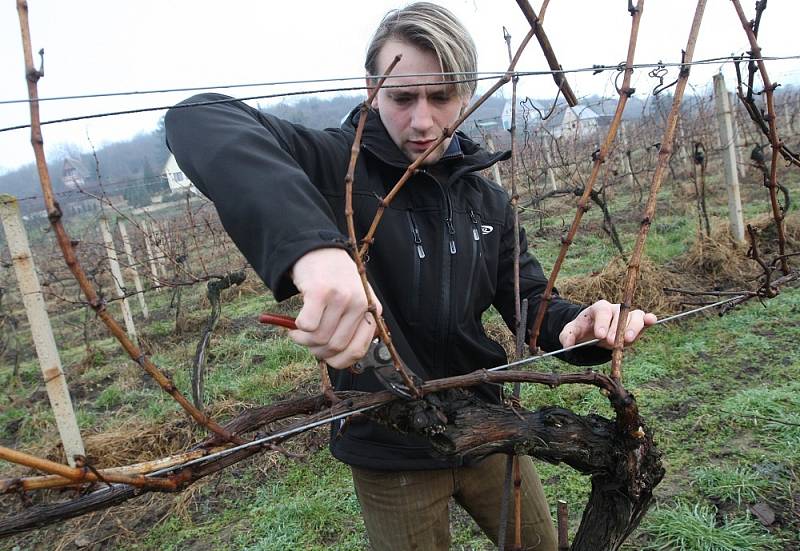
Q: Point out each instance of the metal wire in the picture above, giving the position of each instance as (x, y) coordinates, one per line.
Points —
(532, 359)
(487, 74)
(265, 440)
(320, 422)
(493, 75)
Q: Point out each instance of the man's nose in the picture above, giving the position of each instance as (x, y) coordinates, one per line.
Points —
(422, 117)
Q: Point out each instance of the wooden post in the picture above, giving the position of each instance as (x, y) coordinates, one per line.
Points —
(150, 258)
(562, 519)
(41, 330)
(496, 166)
(126, 243)
(728, 145)
(119, 284)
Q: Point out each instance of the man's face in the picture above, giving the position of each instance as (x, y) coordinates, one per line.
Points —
(415, 115)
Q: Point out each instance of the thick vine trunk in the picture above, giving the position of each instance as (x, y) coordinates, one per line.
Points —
(623, 479)
(457, 424)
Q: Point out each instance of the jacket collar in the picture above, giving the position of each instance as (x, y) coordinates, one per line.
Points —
(462, 155)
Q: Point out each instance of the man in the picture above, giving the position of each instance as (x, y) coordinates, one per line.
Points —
(443, 254)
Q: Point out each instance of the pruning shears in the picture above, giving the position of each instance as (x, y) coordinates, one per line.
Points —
(378, 359)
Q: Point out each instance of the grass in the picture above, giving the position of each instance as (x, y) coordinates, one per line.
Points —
(737, 484)
(111, 397)
(687, 527)
(296, 505)
(295, 512)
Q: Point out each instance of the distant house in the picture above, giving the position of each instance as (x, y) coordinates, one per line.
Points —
(588, 121)
(562, 121)
(79, 180)
(73, 173)
(176, 179)
(606, 107)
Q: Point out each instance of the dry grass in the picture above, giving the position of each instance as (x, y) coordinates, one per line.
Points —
(137, 441)
(252, 286)
(500, 333)
(766, 228)
(608, 284)
(718, 261)
(711, 263)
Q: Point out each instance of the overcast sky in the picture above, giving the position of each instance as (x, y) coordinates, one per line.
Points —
(96, 46)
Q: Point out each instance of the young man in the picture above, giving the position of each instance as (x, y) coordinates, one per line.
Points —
(443, 254)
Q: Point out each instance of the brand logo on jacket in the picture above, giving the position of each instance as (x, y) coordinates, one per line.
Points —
(486, 229)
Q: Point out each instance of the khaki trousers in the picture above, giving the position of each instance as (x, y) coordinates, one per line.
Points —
(408, 510)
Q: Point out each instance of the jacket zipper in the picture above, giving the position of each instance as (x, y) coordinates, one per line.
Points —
(451, 231)
(476, 227)
(420, 254)
(476, 253)
(447, 268)
(416, 236)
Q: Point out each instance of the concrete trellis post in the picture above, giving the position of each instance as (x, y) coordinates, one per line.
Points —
(41, 330)
(683, 153)
(158, 239)
(787, 113)
(126, 243)
(624, 166)
(738, 138)
(119, 284)
(728, 145)
(548, 159)
(163, 248)
(496, 166)
(150, 257)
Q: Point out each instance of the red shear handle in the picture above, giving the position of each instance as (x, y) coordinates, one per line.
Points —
(277, 319)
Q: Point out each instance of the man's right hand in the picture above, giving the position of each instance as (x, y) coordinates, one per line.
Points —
(333, 323)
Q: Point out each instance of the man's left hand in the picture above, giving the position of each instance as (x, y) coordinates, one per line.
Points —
(599, 321)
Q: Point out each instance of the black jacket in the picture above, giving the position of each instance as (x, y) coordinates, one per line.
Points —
(443, 253)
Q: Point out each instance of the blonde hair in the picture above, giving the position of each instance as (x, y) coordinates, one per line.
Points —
(433, 28)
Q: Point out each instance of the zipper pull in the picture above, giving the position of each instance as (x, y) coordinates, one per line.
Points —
(417, 237)
(418, 243)
(475, 233)
(452, 231)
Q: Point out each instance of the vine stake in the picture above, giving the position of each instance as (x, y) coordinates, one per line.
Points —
(631, 424)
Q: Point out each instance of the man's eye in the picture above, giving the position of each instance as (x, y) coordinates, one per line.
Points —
(402, 100)
(440, 98)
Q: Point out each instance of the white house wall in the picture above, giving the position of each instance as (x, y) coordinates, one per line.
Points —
(176, 179)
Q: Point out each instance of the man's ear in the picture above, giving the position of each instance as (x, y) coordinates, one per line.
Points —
(371, 86)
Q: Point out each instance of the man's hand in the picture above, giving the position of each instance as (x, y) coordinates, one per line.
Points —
(333, 323)
(599, 321)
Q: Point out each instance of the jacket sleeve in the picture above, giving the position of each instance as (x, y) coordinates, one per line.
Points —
(266, 178)
(532, 283)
